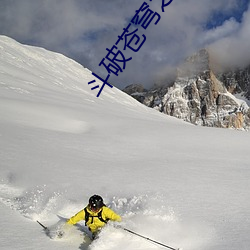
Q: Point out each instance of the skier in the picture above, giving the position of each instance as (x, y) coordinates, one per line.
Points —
(95, 214)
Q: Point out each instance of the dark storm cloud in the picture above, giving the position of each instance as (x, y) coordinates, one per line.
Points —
(83, 29)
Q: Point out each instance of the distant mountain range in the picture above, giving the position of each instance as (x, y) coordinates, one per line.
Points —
(202, 94)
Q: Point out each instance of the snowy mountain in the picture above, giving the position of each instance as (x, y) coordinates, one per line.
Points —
(182, 185)
(201, 96)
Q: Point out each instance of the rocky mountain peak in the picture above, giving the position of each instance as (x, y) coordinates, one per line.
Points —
(202, 97)
(197, 64)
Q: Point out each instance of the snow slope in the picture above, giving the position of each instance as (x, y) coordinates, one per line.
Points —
(179, 184)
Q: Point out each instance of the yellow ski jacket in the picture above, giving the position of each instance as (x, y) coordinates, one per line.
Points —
(94, 223)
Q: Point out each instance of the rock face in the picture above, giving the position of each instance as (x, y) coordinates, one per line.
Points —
(201, 97)
(136, 90)
(237, 81)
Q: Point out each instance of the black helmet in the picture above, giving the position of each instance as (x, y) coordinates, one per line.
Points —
(96, 202)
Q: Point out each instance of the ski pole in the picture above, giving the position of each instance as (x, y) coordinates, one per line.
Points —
(146, 238)
(45, 228)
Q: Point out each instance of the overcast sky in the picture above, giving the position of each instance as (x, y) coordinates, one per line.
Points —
(83, 29)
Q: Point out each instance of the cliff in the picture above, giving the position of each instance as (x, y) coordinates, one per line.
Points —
(202, 97)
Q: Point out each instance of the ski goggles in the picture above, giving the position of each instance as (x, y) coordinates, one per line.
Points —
(94, 208)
